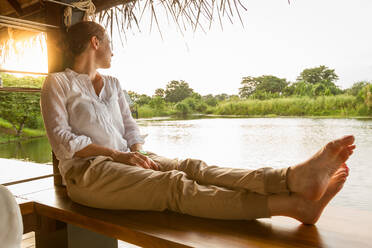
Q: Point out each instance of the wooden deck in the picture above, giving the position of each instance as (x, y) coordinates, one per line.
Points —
(338, 227)
(29, 242)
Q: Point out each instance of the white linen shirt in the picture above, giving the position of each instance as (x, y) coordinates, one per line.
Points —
(74, 116)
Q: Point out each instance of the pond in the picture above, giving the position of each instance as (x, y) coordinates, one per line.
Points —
(247, 143)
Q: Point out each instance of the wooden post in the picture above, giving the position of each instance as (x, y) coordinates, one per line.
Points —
(57, 55)
(56, 58)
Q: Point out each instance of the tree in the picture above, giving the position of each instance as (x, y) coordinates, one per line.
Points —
(176, 91)
(20, 109)
(365, 95)
(356, 87)
(134, 96)
(143, 99)
(160, 92)
(271, 84)
(157, 102)
(222, 97)
(321, 74)
(264, 84)
(319, 89)
(210, 100)
(182, 109)
(249, 86)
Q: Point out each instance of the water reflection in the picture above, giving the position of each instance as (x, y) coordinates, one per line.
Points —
(36, 150)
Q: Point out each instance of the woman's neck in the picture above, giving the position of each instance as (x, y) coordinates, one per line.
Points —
(84, 65)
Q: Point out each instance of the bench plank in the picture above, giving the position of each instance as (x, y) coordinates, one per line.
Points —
(337, 227)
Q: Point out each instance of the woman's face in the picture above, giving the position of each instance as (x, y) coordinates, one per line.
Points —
(104, 53)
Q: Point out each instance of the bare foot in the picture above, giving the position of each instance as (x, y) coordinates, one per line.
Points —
(311, 178)
(308, 212)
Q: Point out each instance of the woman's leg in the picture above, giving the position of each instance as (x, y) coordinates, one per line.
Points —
(309, 179)
(263, 181)
(113, 185)
(117, 186)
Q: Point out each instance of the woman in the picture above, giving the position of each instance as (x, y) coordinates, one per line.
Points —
(90, 128)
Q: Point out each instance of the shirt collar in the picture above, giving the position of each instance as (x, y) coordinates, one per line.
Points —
(75, 74)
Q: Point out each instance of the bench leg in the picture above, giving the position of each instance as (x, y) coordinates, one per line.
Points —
(50, 233)
(79, 237)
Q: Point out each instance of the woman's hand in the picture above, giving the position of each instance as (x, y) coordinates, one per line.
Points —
(134, 158)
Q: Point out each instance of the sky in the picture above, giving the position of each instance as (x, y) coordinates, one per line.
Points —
(277, 39)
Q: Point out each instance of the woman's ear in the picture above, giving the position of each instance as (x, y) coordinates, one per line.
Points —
(94, 41)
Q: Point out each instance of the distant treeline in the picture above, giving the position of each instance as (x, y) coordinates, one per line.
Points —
(314, 93)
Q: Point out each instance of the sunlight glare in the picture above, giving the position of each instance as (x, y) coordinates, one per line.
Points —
(26, 55)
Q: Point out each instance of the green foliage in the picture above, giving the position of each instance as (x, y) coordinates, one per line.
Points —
(210, 100)
(182, 109)
(221, 97)
(341, 105)
(271, 84)
(365, 97)
(302, 88)
(10, 80)
(176, 91)
(249, 86)
(133, 96)
(5, 124)
(160, 92)
(20, 109)
(263, 84)
(356, 88)
(321, 74)
(143, 99)
(263, 95)
(157, 102)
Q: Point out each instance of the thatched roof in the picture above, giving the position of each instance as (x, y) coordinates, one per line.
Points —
(120, 15)
(127, 13)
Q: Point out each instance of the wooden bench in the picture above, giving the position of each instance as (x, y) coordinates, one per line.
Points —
(48, 211)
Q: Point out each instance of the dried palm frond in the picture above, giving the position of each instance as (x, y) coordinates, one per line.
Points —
(17, 43)
(185, 14)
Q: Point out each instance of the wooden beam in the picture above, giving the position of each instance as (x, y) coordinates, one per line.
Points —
(106, 4)
(19, 89)
(56, 54)
(34, 12)
(24, 72)
(17, 7)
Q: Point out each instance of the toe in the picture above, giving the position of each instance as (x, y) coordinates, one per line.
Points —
(347, 140)
(333, 147)
(352, 147)
(344, 155)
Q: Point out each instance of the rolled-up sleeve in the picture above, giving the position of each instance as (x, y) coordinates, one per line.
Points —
(53, 108)
(132, 133)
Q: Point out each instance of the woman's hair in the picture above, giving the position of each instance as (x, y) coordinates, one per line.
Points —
(79, 35)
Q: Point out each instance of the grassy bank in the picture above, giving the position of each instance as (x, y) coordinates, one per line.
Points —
(341, 106)
(336, 106)
(324, 106)
(7, 133)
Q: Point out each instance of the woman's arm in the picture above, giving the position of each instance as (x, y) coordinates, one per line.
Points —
(132, 133)
(131, 158)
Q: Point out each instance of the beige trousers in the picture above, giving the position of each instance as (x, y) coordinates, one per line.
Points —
(187, 186)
